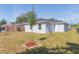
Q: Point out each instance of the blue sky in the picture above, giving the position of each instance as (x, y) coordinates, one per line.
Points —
(66, 12)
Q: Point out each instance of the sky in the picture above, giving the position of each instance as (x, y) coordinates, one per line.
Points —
(66, 12)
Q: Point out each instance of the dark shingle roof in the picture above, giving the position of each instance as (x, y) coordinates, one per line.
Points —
(54, 20)
(43, 20)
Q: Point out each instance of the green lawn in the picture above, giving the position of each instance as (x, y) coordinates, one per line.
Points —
(13, 42)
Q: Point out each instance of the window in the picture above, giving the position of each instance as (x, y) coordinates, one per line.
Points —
(39, 26)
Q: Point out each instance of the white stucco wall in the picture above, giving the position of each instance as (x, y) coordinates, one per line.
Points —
(36, 28)
(59, 28)
(53, 27)
(46, 28)
(66, 28)
(50, 27)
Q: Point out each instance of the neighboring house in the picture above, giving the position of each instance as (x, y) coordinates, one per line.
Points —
(47, 25)
(12, 27)
(20, 27)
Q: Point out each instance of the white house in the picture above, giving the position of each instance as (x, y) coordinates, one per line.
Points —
(47, 25)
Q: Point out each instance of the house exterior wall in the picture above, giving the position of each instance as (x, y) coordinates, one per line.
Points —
(36, 28)
(59, 28)
(56, 27)
(10, 27)
(53, 27)
(66, 28)
(47, 27)
(50, 27)
(20, 27)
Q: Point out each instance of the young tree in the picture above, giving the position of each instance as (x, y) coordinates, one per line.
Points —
(31, 15)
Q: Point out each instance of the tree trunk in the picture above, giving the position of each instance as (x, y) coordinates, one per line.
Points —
(32, 33)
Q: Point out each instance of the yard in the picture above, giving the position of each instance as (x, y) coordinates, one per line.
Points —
(66, 42)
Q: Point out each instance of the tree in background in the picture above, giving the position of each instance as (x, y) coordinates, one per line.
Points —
(75, 25)
(2, 22)
(21, 19)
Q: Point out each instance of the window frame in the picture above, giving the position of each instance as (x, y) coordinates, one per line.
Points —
(39, 26)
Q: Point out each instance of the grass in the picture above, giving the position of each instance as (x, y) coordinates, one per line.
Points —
(12, 42)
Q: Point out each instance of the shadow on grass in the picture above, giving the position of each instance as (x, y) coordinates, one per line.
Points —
(77, 30)
(38, 50)
(43, 50)
(7, 34)
(42, 38)
(73, 47)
